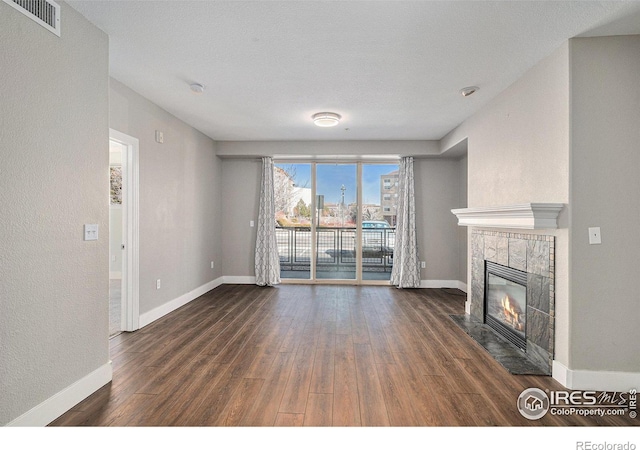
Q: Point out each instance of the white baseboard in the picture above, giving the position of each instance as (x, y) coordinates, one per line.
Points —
(592, 380)
(53, 407)
(229, 279)
(446, 284)
(424, 284)
(172, 305)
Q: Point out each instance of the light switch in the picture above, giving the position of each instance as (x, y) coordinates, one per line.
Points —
(251, 223)
(594, 236)
(90, 231)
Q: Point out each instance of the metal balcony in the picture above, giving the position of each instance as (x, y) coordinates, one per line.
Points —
(336, 252)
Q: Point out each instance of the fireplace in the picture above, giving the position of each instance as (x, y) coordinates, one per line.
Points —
(496, 238)
(505, 309)
(529, 262)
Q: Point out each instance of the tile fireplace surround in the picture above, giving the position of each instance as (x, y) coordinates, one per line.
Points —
(530, 253)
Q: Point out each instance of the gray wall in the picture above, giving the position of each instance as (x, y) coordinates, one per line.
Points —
(319, 149)
(180, 192)
(54, 319)
(240, 195)
(462, 231)
(438, 190)
(567, 132)
(518, 152)
(605, 192)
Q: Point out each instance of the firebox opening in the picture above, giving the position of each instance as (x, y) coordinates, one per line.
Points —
(506, 302)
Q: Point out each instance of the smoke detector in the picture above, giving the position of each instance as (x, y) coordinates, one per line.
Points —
(469, 90)
(197, 88)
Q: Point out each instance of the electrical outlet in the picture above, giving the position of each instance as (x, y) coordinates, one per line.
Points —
(423, 264)
(159, 137)
(158, 284)
(212, 264)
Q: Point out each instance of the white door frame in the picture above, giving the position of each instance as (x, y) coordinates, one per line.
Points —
(130, 318)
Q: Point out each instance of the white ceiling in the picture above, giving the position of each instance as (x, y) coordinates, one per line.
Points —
(392, 69)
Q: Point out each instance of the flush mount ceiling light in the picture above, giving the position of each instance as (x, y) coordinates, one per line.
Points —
(465, 92)
(197, 88)
(326, 119)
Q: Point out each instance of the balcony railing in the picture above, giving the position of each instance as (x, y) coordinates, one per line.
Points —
(336, 249)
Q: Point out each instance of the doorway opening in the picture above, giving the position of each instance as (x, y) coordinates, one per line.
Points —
(116, 226)
(335, 222)
(123, 234)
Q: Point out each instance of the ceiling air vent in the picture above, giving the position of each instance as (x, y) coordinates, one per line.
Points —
(44, 12)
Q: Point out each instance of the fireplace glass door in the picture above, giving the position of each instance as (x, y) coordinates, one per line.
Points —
(506, 303)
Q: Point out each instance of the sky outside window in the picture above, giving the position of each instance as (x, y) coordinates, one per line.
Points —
(332, 176)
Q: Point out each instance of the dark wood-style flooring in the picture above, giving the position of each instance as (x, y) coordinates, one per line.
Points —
(311, 355)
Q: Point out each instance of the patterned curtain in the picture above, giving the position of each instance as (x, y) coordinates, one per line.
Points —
(406, 266)
(267, 258)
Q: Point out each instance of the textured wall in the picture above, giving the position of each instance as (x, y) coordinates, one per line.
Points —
(180, 199)
(319, 149)
(518, 152)
(462, 231)
(240, 200)
(437, 188)
(567, 132)
(53, 179)
(605, 192)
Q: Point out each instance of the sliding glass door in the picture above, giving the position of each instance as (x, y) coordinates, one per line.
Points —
(336, 221)
(293, 204)
(378, 219)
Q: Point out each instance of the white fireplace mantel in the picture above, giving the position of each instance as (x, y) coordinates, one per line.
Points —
(527, 216)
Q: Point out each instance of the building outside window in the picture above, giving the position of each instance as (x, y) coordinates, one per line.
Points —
(389, 196)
